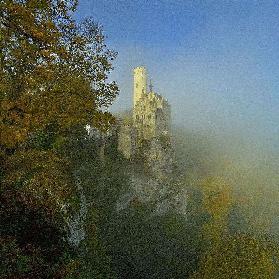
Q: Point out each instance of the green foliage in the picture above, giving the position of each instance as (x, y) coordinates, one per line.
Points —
(129, 241)
(238, 256)
(146, 246)
(30, 239)
(9, 251)
(103, 182)
(230, 252)
(54, 81)
(53, 77)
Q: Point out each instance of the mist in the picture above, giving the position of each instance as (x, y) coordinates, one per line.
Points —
(227, 100)
(178, 180)
(217, 65)
(225, 113)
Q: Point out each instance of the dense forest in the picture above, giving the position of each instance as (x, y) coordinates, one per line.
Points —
(69, 204)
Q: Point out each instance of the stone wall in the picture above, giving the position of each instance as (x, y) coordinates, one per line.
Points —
(151, 116)
(150, 123)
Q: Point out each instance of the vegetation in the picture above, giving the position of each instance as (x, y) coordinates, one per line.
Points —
(54, 82)
(53, 75)
(231, 253)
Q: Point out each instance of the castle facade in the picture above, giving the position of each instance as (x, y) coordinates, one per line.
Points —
(150, 118)
(151, 112)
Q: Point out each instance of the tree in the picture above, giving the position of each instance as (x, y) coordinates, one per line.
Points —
(217, 202)
(52, 69)
(230, 251)
(53, 77)
(238, 256)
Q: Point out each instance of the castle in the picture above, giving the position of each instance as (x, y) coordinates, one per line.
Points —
(150, 118)
(151, 112)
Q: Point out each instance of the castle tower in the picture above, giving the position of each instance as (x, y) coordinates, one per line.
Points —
(140, 83)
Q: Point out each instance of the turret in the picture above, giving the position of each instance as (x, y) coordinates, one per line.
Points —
(140, 83)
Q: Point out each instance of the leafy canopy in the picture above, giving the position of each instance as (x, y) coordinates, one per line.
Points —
(53, 78)
(52, 69)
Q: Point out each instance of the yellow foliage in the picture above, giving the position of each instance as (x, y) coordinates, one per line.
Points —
(217, 201)
(239, 256)
(51, 76)
(217, 196)
(41, 175)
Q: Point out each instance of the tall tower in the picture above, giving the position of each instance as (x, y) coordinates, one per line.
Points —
(140, 83)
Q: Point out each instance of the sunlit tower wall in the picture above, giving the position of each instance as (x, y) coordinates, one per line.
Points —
(140, 83)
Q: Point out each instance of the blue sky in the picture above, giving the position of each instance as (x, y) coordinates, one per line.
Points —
(217, 62)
